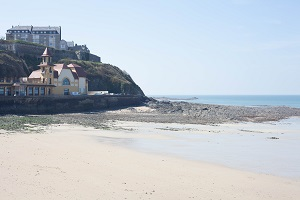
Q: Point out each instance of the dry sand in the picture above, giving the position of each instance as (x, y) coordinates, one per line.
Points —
(67, 162)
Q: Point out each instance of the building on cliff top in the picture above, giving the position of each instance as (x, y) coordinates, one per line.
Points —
(50, 79)
(45, 35)
(49, 36)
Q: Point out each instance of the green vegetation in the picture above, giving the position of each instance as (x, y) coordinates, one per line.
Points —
(11, 65)
(22, 42)
(26, 123)
(103, 76)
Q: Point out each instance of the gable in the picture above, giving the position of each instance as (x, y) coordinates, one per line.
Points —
(66, 73)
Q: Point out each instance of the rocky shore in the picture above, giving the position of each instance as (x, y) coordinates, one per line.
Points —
(181, 112)
(154, 111)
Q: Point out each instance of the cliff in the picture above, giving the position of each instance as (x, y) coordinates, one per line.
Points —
(19, 59)
(107, 77)
(12, 66)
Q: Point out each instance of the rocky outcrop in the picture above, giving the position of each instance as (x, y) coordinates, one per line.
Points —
(12, 66)
(219, 113)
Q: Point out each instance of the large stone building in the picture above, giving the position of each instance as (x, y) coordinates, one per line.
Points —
(50, 79)
(48, 36)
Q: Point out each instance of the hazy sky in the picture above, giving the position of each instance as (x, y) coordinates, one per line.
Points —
(181, 46)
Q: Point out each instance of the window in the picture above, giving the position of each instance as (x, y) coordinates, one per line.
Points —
(42, 91)
(36, 38)
(8, 91)
(2, 91)
(30, 91)
(50, 82)
(66, 81)
(66, 91)
(36, 91)
(8, 80)
(1, 80)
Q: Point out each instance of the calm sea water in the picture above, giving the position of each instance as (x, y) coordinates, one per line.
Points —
(237, 100)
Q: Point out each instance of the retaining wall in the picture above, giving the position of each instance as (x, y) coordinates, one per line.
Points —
(36, 51)
(64, 104)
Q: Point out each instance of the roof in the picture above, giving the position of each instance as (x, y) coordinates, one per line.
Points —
(46, 52)
(75, 75)
(59, 67)
(16, 28)
(36, 28)
(47, 28)
(79, 70)
(36, 74)
(76, 70)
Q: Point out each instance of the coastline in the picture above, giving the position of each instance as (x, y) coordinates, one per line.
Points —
(89, 155)
(66, 161)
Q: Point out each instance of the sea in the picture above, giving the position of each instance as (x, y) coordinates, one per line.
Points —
(236, 100)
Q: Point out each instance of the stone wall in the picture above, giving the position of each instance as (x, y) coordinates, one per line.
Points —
(36, 51)
(94, 58)
(87, 56)
(64, 104)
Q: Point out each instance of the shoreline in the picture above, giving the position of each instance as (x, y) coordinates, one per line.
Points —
(68, 162)
(83, 156)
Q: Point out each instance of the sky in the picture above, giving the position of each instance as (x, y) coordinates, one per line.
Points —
(182, 47)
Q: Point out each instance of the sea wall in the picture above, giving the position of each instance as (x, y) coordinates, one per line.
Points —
(64, 104)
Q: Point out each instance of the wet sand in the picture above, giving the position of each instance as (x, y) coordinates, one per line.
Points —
(69, 162)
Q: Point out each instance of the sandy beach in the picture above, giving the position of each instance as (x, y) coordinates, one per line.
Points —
(73, 162)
